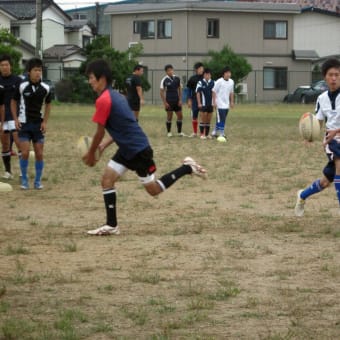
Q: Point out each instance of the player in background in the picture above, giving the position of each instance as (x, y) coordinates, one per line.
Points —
(223, 99)
(134, 152)
(192, 99)
(31, 123)
(327, 109)
(10, 82)
(205, 102)
(134, 90)
(2, 106)
(170, 91)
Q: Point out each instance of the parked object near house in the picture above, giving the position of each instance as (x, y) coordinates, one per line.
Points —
(306, 93)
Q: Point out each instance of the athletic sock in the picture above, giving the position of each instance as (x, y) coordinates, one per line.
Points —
(202, 128)
(194, 125)
(23, 168)
(179, 126)
(207, 129)
(110, 206)
(337, 186)
(6, 158)
(168, 126)
(171, 177)
(311, 190)
(39, 167)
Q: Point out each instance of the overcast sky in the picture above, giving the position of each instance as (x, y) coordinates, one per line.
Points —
(71, 4)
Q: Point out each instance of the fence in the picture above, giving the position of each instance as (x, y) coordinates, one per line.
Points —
(251, 89)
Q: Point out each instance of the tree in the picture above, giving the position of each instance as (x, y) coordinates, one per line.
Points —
(227, 57)
(7, 46)
(121, 63)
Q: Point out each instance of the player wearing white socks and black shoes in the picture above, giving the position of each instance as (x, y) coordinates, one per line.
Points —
(114, 115)
(327, 109)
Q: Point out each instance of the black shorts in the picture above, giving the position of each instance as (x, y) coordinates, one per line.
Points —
(207, 108)
(174, 107)
(31, 131)
(143, 163)
(134, 105)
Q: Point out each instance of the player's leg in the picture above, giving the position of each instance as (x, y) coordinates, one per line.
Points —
(337, 177)
(179, 121)
(25, 149)
(207, 124)
(168, 122)
(202, 125)
(317, 186)
(110, 176)
(194, 117)
(38, 148)
(6, 152)
(136, 113)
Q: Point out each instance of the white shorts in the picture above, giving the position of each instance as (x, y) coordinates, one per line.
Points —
(9, 125)
(121, 169)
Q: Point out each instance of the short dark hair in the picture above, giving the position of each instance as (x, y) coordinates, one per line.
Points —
(34, 62)
(100, 68)
(226, 69)
(137, 67)
(167, 66)
(6, 57)
(198, 65)
(329, 63)
(207, 70)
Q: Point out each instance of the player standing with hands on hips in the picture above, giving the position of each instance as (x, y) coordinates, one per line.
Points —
(114, 115)
(223, 99)
(327, 109)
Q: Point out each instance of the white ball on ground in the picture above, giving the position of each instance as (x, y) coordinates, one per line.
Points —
(221, 139)
(5, 187)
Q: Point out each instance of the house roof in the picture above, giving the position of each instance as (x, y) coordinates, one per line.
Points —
(61, 51)
(320, 10)
(227, 6)
(26, 9)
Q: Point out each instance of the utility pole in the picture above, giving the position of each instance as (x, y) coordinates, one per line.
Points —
(38, 51)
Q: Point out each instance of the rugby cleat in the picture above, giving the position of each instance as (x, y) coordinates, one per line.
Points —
(197, 169)
(7, 175)
(300, 205)
(104, 230)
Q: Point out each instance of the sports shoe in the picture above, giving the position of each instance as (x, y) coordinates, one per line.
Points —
(38, 186)
(203, 137)
(24, 184)
(193, 135)
(169, 134)
(300, 205)
(196, 168)
(181, 134)
(7, 175)
(104, 231)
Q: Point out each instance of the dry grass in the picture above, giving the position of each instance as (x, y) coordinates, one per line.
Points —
(221, 259)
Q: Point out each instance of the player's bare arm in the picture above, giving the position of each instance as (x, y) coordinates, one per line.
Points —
(14, 107)
(162, 94)
(140, 94)
(46, 116)
(231, 98)
(104, 144)
(90, 159)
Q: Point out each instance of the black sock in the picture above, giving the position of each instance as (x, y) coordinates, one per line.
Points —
(168, 126)
(207, 129)
(171, 177)
(179, 126)
(201, 128)
(6, 158)
(110, 206)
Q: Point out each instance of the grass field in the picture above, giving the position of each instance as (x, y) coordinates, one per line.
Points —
(219, 259)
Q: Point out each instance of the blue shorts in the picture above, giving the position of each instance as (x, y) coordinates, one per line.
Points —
(332, 150)
(31, 132)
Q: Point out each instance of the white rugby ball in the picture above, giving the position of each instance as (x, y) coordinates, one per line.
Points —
(221, 139)
(5, 187)
(309, 127)
(83, 146)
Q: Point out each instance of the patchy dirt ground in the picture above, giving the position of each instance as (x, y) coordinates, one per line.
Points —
(218, 259)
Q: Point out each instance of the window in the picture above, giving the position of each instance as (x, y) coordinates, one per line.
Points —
(275, 78)
(78, 16)
(275, 30)
(164, 29)
(147, 29)
(15, 30)
(86, 40)
(136, 27)
(213, 28)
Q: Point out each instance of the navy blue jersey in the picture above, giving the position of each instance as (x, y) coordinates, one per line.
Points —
(31, 98)
(192, 84)
(113, 112)
(171, 85)
(10, 84)
(132, 82)
(2, 95)
(204, 88)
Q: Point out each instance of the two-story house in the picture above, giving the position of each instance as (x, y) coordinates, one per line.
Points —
(182, 33)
